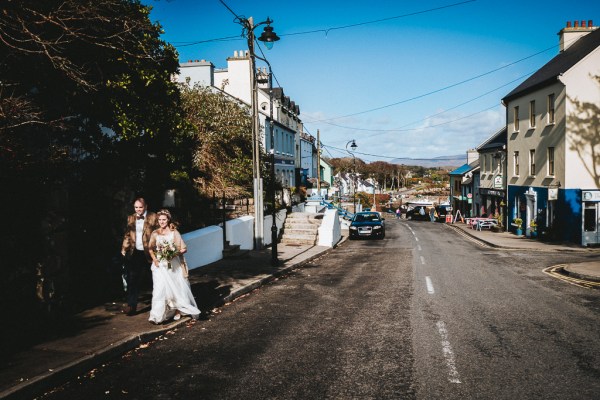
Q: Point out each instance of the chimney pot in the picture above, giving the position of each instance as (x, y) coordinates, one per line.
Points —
(568, 24)
(189, 61)
(590, 23)
(576, 24)
(583, 23)
(196, 61)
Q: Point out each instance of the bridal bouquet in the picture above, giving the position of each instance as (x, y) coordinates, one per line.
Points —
(166, 250)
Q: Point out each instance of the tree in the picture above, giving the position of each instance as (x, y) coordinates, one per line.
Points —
(89, 118)
(223, 141)
(71, 67)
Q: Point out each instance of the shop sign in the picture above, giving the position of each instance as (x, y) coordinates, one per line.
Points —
(589, 195)
(498, 182)
(552, 193)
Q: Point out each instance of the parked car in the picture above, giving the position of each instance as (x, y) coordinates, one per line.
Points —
(367, 225)
(418, 213)
(443, 210)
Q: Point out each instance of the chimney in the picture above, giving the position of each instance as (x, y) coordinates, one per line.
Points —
(573, 31)
(472, 155)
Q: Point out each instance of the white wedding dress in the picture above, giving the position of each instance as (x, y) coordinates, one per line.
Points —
(171, 291)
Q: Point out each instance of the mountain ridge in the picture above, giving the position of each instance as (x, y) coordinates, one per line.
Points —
(441, 161)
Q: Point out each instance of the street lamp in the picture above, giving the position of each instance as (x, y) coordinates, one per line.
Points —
(353, 146)
(268, 37)
(274, 260)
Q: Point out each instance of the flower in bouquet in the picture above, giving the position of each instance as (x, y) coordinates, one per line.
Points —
(166, 251)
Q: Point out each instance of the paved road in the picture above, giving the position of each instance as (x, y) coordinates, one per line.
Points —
(490, 324)
(423, 314)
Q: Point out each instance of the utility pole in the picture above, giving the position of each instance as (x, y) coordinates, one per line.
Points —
(257, 181)
(318, 163)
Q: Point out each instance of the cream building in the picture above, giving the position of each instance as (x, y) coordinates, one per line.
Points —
(553, 142)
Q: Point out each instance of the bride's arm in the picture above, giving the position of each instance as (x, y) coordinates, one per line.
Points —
(151, 247)
(181, 244)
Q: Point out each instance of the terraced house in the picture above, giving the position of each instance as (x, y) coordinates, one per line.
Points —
(553, 141)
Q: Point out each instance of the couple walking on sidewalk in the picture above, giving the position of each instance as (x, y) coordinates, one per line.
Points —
(152, 242)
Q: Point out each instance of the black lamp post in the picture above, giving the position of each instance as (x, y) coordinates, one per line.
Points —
(353, 146)
(274, 260)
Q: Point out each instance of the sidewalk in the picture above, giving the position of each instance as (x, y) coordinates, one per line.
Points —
(587, 271)
(104, 332)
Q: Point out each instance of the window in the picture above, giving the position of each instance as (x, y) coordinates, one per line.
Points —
(484, 167)
(516, 118)
(532, 162)
(551, 108)
(516, 162)
(550, 160)
(532, 114)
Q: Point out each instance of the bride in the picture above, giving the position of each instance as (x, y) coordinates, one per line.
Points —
(171, 293)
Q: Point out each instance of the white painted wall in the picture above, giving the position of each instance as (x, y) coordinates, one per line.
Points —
(204, 246)
(581, 85)
(197, 71)
(330, 231)
(241, 231)
(279, 222)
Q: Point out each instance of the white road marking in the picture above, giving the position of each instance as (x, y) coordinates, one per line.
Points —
(429, 285)
(419, 247)
(422, 260)
(416, 238)
(453, 376)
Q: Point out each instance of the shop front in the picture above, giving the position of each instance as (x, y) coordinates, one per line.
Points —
(591, 218)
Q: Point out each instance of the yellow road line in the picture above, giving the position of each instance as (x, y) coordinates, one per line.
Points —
(554, 272)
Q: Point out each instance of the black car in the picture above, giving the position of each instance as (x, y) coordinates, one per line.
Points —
(442, 210)
(367, 225)
(418, 213)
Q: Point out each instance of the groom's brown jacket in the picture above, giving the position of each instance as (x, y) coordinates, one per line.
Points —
(150, 224)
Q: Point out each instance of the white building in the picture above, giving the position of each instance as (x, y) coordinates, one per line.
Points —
(552, 141)
(235, 81)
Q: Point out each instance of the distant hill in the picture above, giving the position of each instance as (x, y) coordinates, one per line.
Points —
(442, 161)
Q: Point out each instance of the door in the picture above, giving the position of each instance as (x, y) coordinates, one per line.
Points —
(591, 223)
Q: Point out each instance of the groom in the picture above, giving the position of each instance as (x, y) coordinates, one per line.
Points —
(135, 250)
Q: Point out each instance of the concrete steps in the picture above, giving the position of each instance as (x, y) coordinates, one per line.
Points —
(234, 251)
(301, 228)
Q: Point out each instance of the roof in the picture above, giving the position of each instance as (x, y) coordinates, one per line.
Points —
(463, 169)
(560, 64)
(496, 141)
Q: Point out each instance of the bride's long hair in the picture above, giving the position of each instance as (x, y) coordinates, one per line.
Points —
(167, 213)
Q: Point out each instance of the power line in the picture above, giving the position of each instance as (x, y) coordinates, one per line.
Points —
(325, 30)
(401, 128)
(438, 90)
(390, 157)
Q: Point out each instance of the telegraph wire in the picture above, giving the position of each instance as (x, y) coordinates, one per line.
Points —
(326, 30)
(438, 90)
(401, 128)
(390, 157)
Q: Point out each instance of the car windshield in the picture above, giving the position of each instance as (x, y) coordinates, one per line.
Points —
(367, 217)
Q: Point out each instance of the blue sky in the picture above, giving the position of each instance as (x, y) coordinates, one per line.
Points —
(425, 84)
